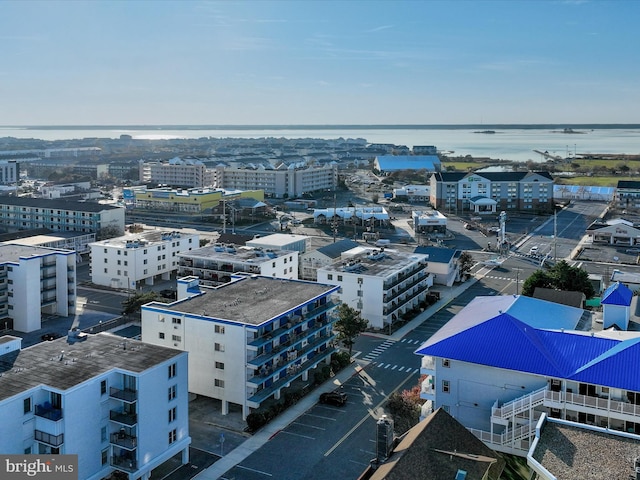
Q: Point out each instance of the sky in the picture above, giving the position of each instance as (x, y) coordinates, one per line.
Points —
(315, 62)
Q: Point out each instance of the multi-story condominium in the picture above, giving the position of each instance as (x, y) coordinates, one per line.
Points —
(443, 264)
(35, 281)
(191, 201)
(22, 213)
(42, 169)
(248, 339)
(382, 284)
(280, 241)
(488, 192)
(503, 361)
(628, 195)
(128, 261)
(9, 172)
(178, 172)
(282, 181)
(119, 404)
(311, 261)
(216, 264)
(42, 237)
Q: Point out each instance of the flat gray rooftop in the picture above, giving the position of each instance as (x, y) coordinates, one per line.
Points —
(573, 453)
(13, 252)
(44, 364)
(252, 301)
(151, 237)
(375, 262)
(235, 254)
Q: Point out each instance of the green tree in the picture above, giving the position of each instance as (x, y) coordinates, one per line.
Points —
(133, 304)
(465, 262)
(349, 325)
(561, 276)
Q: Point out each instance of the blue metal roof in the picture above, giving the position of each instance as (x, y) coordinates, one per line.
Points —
(437, 254)
(617, 294)
(407, 162)
(504, 341)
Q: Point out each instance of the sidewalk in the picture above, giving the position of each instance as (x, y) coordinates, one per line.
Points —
(255, 442)
(282, 421)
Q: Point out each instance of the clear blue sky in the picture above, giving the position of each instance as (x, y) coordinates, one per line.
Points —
(319, 62)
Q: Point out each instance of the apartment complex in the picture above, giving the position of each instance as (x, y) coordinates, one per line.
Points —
(248, 339)
(22, 213)
(382, 284)
(119, 404)
(503, 361)
(35, 281)
(216, 264)
(9, 172)
(311, 261)
(133, 259)
(178, 172)
(489, 192)
(281, 181)
(189, 201)
(628, 195)
(42, 237)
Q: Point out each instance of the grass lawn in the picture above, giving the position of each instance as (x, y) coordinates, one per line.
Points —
(463, 166)
(604, 181)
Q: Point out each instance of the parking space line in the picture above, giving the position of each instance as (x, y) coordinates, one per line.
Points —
(297, 435)
(255, 471)
(319, 416)
(308, 426)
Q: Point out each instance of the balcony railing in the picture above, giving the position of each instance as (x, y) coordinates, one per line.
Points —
(47, 411)
(126, 394)
(44, 437)
(129, 419)
(124, 463)
(124, 440)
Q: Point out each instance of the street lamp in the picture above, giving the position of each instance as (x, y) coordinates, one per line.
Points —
(517, 279)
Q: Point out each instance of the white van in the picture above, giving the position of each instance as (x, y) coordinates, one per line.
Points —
(383, 242)
(534, 250)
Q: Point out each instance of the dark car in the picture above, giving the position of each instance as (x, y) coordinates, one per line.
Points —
(337, 398)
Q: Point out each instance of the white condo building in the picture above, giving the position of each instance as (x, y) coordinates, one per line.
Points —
(381, 284)
(216, 264)
(35, 281)
(281, 181)
(127, 261)
(23, 213)
(504, 361)
(248, 339)
(117, 403)
(178, 172)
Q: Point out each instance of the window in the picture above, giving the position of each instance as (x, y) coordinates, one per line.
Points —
(273, 264)
(176, 338)
(446, 386)
(219, 329)
(119, 261)
(339, 278)
(218, 383)
(285, 260)
(27, 405)
(161, 335)
(104, 456)
(172, 370)
(446, 362)
(172, 392)
(103, 387)
(172, 414)
(103, 434)
(105, 261)
(330, 276)
(219, 347)
(173, 436)
(220, 365)
(176, 320)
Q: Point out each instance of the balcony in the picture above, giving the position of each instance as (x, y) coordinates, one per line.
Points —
(47, 411)
(52, 440)
(129, 419)
(124, 440)
(428, 363)
(126, 395)
(124, 463)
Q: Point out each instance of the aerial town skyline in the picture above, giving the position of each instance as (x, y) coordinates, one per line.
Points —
(274, 62)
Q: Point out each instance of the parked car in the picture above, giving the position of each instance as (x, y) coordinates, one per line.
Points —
(337, 398)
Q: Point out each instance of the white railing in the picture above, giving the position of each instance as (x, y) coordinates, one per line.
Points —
(428, 363)
(520, 404)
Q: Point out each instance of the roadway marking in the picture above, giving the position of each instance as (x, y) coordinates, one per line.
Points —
(297, 435)
(308, 426)
(319, 416)
(255, 471)
(366, 417)
(378, 350)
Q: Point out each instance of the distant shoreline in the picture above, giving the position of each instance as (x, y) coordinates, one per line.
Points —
(485, 127)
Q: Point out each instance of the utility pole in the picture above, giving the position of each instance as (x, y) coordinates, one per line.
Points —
(517, 279)
(555, 236)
